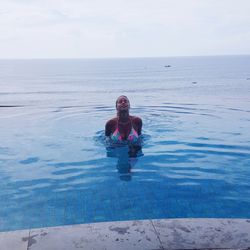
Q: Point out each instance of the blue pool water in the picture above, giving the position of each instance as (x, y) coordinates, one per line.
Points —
(54, 165)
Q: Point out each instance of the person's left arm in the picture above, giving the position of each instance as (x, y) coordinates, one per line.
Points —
(138, 122)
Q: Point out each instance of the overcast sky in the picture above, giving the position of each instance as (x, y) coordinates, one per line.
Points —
(123, 28)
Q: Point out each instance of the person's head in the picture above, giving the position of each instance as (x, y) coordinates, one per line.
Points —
(122, 103)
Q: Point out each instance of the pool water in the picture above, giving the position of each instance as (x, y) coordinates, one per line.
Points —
(55, 168)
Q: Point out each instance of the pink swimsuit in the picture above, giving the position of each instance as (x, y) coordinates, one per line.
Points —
(132, 137)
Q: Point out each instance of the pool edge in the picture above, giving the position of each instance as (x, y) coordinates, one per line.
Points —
(138, 234)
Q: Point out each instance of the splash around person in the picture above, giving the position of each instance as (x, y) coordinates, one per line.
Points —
(123, 127)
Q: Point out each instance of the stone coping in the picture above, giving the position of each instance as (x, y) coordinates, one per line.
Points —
(129, 235)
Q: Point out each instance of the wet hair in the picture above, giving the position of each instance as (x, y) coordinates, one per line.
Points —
(120, 97)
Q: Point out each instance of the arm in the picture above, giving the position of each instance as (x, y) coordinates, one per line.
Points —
(109, 127)
(138, 122)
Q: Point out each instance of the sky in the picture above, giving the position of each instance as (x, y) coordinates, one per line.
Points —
(123, 28)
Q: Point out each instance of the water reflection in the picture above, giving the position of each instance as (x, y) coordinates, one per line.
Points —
(127, 158)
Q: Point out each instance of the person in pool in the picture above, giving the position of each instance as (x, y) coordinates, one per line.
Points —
(123, 127)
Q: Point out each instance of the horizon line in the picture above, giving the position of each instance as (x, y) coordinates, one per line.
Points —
(118, 57)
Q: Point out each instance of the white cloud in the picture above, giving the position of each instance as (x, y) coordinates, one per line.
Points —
(114, 28)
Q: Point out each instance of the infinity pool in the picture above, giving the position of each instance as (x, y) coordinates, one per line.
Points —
(55, 168)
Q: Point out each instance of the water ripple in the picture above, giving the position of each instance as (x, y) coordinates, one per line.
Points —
(54, 164)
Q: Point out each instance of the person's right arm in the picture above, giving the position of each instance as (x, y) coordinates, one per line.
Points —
(109, 127)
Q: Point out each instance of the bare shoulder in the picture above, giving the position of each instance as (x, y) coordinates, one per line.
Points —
(136, 120)
(111, 122)
(110, 126)
(137, 123)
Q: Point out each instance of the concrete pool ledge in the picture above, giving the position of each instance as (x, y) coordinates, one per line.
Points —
(141, 234)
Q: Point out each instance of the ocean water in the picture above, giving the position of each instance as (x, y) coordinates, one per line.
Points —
(55, 168)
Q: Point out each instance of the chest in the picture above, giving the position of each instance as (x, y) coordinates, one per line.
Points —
(124, 130)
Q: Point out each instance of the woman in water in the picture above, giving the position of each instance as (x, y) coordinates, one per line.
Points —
(123, 127)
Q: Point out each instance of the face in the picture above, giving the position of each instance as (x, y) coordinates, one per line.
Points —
(122, 104)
